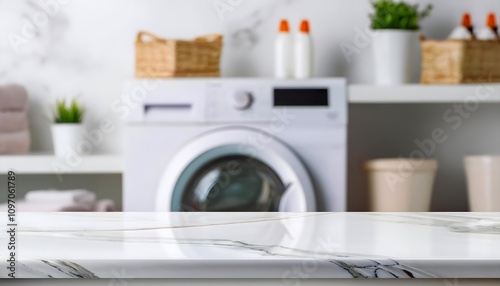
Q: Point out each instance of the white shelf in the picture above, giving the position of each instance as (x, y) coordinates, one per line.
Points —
(419, 93)
(49, 164)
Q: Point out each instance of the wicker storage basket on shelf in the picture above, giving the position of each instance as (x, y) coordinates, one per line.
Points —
(162, 58)
(460, 61)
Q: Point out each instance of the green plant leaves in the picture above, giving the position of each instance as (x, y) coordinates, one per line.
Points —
(72, 113)
(397, 15)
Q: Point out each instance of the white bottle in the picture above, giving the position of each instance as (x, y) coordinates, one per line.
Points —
(490, 32)
(303, 58)
(283, 57)
(464, 31)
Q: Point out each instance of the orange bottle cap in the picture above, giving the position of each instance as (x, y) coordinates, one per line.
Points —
(491, 21)
(304, 26)
(284, 27)
(466, 20)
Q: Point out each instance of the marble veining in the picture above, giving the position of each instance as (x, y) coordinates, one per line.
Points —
(472, 223)
(72, 269)
(257, 245)
(247, 33)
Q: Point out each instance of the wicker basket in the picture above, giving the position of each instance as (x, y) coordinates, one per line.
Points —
(161, 58)
(460, 61)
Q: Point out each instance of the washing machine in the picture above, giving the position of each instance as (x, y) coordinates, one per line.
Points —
(256, 145)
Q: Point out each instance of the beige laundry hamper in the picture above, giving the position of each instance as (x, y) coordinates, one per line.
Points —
(400, 185)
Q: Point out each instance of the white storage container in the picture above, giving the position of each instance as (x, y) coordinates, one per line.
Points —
(400, 185)
(483, 182)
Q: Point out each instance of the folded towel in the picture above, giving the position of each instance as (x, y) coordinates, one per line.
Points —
(22, 206)
(11, 121)
(105, 206)
(13, 97)
(60, 197)
(15, 142)
(99, 206)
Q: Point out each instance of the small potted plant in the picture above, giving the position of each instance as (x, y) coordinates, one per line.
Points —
(395, 40)
(67, 130)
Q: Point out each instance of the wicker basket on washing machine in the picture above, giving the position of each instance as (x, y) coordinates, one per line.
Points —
(164, 58)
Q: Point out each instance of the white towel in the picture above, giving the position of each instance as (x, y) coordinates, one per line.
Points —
(99, 206)
(105, 206)
(60, 197)
(22, 206)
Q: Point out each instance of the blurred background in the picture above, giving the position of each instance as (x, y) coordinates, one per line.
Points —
(85, 49)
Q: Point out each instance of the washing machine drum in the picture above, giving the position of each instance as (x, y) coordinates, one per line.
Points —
(219, 172)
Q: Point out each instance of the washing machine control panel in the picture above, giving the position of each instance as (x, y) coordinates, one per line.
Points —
(310, 101)
(262, 100)
(242, 100)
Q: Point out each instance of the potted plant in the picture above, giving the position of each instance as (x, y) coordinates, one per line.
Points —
(67, 130)
(395, 40)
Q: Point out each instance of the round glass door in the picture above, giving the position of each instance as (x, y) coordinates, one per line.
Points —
(217, 172)
(232, 183)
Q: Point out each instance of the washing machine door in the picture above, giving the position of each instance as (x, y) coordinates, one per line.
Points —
(235, 170)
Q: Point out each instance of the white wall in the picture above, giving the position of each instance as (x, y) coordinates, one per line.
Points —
(86, 49)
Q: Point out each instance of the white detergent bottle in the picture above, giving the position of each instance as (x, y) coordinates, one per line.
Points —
(464, 31)
(490, 32)
(303, 52)
(283, 57)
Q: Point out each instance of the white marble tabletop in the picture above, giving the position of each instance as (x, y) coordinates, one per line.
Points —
(256, 245)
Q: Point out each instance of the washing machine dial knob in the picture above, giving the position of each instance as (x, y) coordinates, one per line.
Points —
(242, 100)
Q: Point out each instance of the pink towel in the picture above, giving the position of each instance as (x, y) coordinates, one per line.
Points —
(15, 142)
(13, 97)
(13, 121)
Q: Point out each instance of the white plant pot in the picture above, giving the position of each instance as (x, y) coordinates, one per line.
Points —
(400, 185)
(483, 183)
(66, 137)
(395, 56)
